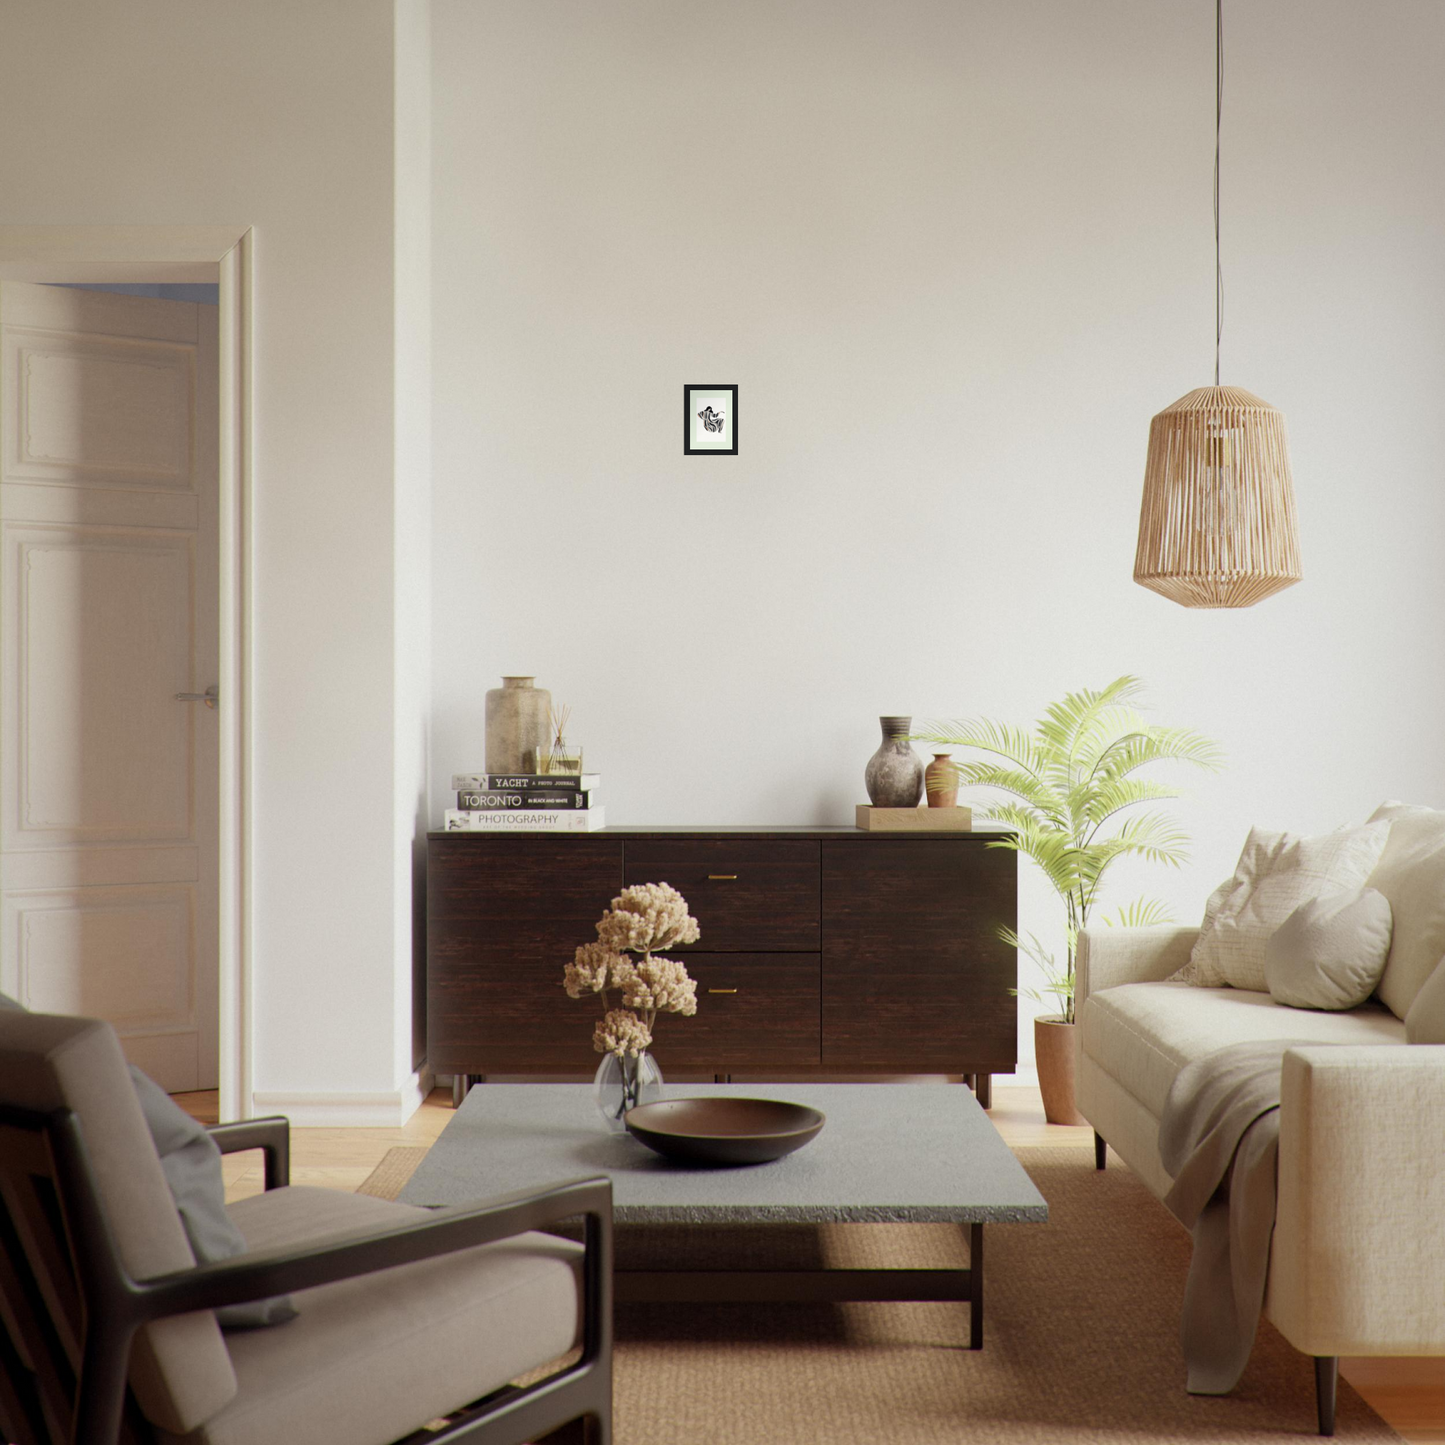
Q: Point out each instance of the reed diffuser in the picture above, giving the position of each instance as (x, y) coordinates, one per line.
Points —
(557, 757)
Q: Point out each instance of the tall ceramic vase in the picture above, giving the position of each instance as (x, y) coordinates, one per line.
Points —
(894, 775)
(516, 725)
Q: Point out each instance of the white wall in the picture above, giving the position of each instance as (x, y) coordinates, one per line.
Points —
(279, 116)
(955, 255)
(412, 599)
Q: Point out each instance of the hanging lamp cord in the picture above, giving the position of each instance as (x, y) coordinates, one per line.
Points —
(1218, 116)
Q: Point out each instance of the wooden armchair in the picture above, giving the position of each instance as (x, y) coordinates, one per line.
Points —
(405, 1315)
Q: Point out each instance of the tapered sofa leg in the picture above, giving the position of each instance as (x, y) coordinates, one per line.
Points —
(1327, 1379)
(1101, 1150)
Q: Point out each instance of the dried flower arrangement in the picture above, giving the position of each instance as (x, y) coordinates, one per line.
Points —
(642, 919)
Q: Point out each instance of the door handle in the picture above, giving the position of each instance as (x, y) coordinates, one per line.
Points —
(722, 990)
(208, 697)
(722, 877)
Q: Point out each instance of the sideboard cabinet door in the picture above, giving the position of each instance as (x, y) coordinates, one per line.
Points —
(915, 976)
(504, 915)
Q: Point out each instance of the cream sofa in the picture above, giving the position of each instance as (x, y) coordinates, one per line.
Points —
(1357, 1265)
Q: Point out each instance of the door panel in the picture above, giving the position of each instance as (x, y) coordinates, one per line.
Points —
(108, 591)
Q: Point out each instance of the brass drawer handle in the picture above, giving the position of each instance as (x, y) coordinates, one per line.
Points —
(722, 990)
(722, 877)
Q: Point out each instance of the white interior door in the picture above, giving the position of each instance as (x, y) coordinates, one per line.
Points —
(108, 602)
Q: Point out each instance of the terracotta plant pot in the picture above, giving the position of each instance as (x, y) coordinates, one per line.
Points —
(1054, 1055)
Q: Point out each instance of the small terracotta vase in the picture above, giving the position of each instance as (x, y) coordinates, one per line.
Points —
(1054, 1056)
(940, 782)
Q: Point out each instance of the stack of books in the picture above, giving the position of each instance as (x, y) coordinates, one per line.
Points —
(525, 803)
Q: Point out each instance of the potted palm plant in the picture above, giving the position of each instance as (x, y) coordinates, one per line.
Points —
(1073, 800)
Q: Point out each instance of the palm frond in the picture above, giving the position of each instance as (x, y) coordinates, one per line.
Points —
(1003, 739)
(1155, 744)
(1141, 913)
(1027, 787)
(1098, 801)
(1062, 863)
(1078, 713)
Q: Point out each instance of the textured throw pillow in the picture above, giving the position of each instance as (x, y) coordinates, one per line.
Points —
(1425, 1023)
(1329, 953)
(1275, 874)
(191, 1163)
(1411, 874)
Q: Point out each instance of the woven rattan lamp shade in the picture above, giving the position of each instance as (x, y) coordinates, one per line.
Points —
(1217, 525)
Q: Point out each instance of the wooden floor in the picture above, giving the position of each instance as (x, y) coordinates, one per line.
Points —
(1409, 1393)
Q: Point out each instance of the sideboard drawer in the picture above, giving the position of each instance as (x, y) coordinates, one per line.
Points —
(754, 1010)
(747, 894)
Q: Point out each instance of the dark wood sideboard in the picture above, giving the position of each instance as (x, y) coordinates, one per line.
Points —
(823, 951)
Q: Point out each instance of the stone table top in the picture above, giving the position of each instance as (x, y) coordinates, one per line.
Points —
(889, 1153)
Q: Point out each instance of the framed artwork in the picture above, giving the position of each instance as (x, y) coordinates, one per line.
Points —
(710, 421)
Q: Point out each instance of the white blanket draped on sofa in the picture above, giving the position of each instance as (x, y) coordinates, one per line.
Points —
(1219, 1138)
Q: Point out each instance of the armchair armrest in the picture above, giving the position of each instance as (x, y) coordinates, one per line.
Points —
(1107, 957)
(272, 1136)
(283, 1271)
(1355, 1260)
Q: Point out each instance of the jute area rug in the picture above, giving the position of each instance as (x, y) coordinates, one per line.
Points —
(1080, 1344)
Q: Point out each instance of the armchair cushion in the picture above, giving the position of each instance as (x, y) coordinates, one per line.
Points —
(394, 1347)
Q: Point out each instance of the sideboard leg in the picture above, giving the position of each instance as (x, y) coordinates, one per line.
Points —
(1101, 1150)
(460, 1084)
(983, 1090)
(1327, 1378)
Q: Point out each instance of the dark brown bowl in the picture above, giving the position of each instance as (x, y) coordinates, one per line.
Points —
(721, 1131)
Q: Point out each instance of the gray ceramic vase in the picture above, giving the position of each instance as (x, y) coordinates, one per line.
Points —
(516, 725)
(894, 775)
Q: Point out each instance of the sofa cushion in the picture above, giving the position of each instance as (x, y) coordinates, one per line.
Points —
(394, 1348)
(1275, 874)
(1425, 1023)
(1144, 1033)
(1329, 952)
(1411, 874)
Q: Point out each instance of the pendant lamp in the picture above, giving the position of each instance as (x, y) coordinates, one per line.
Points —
(1217, 524)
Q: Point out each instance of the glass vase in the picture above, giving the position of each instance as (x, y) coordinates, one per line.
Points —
(622, 1083)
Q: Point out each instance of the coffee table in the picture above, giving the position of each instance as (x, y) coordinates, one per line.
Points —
(889, 1154)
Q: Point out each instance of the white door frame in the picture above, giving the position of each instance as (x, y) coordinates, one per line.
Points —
(193, 253)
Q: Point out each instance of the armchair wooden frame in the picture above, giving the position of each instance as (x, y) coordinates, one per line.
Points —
(66, 1290)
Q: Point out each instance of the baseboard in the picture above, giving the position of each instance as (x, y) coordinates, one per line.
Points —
(349, 1111)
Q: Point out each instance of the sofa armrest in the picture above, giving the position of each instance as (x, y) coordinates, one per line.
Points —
(1356, 1266)
(1110, 956)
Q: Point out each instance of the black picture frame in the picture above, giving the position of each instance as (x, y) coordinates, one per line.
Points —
(721, 402)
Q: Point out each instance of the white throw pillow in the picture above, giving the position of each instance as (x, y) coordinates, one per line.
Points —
(1275, 874)
(1411, 874)
(1425, 1023)
(1329, 953)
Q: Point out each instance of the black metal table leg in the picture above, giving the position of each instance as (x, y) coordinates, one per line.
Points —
(975, 1286)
